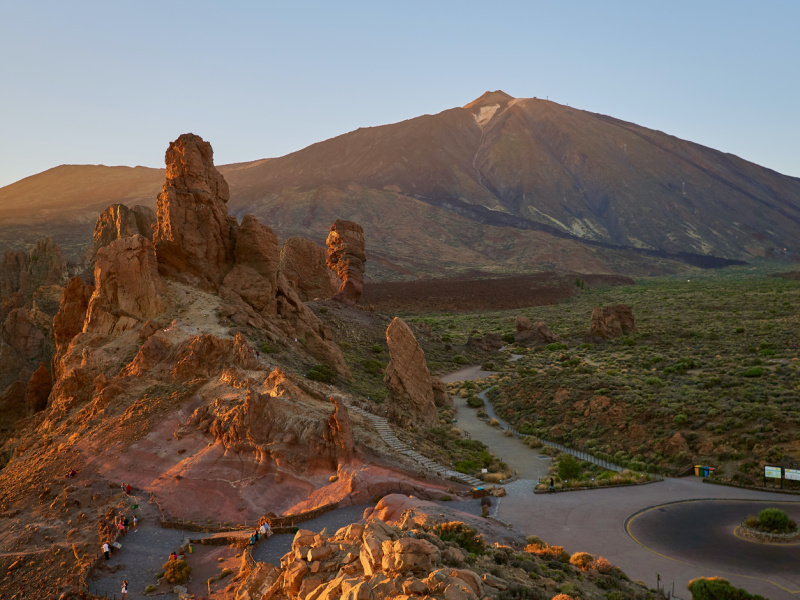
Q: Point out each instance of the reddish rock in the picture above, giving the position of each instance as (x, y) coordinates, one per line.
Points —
(25, 272)
(23, 335)
(339, 430)
(612, 321)
(303, 263)
(302, 324)
(70, 317)
(440, 396)
(254, 277)
(38, 389)
(536, 333)
(346, 257)
(129, 290)
(207, 355)
(119, 221)
(410, 400)
(194, 238)
(491, 342)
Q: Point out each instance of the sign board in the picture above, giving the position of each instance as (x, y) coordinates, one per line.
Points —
(773, 472)
(484, 470)
(792, 474)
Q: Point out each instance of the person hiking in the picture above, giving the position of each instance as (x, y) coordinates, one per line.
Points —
(552, 486)
(135, 523)
(125, 524)
(125, 589)
(106, 550)
(128, 489)
(486, 502)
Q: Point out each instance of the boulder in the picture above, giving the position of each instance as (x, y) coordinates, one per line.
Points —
(533, 333)
(410, 398)
(129, 290)
(194, 238)
(303, 265)
(491, 342)
(612, 321)
(346, 257)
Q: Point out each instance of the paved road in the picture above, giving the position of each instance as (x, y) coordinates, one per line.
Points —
(595, 522)
(702, 533)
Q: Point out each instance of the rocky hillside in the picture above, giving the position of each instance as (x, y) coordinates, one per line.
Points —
(501, 185)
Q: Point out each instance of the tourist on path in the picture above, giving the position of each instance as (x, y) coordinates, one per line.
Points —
(107, 550)
(486, 502)
(552, 486)
(124, 589)
(135, 523)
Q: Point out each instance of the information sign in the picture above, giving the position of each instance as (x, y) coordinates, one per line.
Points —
(773, 472)
(792, 474)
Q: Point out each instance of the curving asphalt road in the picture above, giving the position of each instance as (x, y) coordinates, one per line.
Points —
(680, 542)
(703, 533)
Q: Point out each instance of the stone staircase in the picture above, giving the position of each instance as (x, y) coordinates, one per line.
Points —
(388, 436)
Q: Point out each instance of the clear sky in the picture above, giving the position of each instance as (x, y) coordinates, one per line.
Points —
(114, 82)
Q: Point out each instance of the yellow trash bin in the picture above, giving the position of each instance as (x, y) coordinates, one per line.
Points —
(697, 470)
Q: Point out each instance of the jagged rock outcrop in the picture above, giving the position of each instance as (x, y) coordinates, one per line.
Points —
(440, 396)
(68, 321)
(25, 272)
(533, 333)
(38, 389)
(346, 257)
(410, 399)
(23, 335)
(129, 289)
(315, 337)
(491, 342)
(194, 238)
(303, 263)
(612, 321)
(119, 221)
(338, 431)
(254, 277)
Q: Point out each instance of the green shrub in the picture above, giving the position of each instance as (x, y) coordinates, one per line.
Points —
(268, 348)
(654, 381)
(716, 588)
(323, 373)
(508, 338)
(680, 419)
(462, 534)
(568, 467)
(460, 360)
(373, 366)
(753, 372)
(555, 346)
(377, 348)
(774, 519)
(176, 571)
(475, 402)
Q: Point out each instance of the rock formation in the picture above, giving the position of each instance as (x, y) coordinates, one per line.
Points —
(612, 321)
(38, 389)
(440, 396)
(346, 257)
(129, 289)
(194, 238)
(536, 333)
(491, 342)
(119, 221)
(410, 399)
(254, 277)
(303, 263)
(68, 321)
(25, 272)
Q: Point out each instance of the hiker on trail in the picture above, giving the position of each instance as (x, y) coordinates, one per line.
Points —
(552, 486)
(135, 523)
(486, 502)
(125, 589)
(252, 540)
(72, 473)
(125, 524)
(128, 489)
(121, 526)
(106, 550)
(266, 530)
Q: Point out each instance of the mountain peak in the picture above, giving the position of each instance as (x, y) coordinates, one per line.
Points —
(488, 98)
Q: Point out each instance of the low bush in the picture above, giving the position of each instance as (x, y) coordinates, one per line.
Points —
(462, 534)
(716, 588)
(322, 373)
(475, 402)
(176, 571)
(582, 560)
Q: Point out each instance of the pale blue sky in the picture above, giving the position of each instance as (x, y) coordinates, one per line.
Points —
(114, 82)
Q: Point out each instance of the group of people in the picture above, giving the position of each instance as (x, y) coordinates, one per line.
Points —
(264, 531)
(122, 523)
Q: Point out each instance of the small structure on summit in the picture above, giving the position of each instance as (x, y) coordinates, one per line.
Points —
(410, 401)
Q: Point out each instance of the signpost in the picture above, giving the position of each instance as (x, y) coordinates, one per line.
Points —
(773, 473)
(793, 474)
